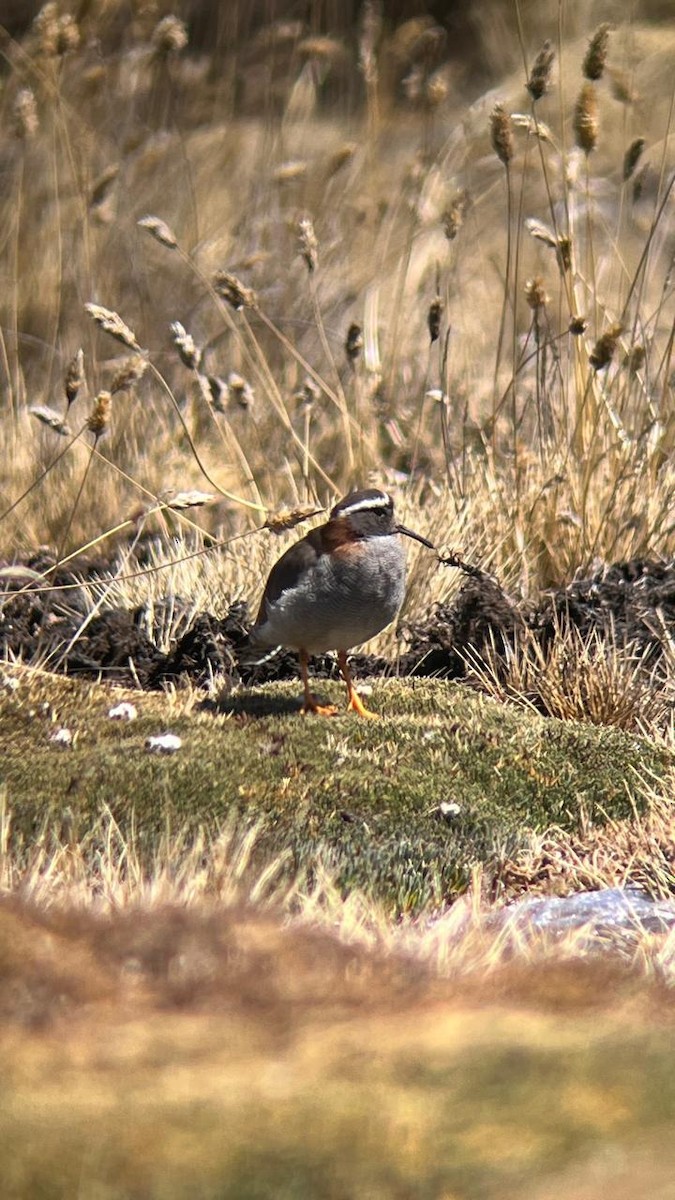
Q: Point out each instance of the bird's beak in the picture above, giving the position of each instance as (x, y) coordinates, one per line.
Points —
(417, 537)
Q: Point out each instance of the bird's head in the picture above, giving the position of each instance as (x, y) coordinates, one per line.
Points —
(369, 513)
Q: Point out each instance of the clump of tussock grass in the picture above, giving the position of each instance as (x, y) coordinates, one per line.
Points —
(635, 853)
(579, 677)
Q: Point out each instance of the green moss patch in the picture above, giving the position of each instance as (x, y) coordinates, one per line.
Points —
(367, 796)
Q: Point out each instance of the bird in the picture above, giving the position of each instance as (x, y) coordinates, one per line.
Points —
(337, 587)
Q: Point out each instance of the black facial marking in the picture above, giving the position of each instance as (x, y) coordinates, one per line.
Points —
(363, 501)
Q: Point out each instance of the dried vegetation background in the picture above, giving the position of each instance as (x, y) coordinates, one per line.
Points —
(471, 304)
(252, 256)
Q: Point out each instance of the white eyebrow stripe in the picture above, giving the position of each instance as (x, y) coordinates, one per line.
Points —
(383, 501)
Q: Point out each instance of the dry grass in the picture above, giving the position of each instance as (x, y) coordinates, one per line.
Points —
(225, 298)
(105, 873)
(636, 853)
(241, 275)
(245, 279)
(581, 677)
(179, 1018)
(542, 452)
(179, 1054)
(198, 1027)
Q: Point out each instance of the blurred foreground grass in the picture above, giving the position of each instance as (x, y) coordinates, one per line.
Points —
(227, 1057)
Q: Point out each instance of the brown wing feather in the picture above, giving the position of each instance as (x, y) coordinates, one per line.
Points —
(286, 571)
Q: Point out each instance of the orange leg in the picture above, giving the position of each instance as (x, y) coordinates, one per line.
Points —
(311, 704)
(355, 702)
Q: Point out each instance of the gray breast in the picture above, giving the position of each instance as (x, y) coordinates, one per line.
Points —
(342, 601)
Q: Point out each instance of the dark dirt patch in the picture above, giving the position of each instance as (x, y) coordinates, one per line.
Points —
(480, 614)
(633, 603)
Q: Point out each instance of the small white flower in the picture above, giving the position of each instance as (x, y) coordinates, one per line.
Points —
(123, 712)
(163, 743)
(62, 737)
(9, 683)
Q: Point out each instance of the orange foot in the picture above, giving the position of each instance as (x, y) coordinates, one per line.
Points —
(356, 705)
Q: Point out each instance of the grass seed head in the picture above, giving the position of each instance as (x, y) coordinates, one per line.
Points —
(68, 35)
(535, 293)
(240, 390)
(321, 48)
(558, 242)
(354, 342)
(436, 89)
(51, 418)
(100, 189)
(188, 499)
(635, 358)
(501, 134)
(74, 376)
(413, 84)
(434, 318)
(45, 28)
(540, 76)
(218, 393)
(632, 157)
(56, 35)
(309, 393)
(99, 417)
(189, 352)
(288, 518)
(343, 155)
(159, 230)
(596, 55)
(586, 119)
(641, 181)
(534, 128)
(603, 350)
(129, 371)
(540, 231)
(105, 213)
(564, 252)
(309, 246)
(577, 326)
(622, 87)
(25, 112)
(288, 172)
(453, 217)
(169, 37)
(234, 292)
(112, 323)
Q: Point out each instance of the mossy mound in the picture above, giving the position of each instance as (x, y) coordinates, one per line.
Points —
(370, 797)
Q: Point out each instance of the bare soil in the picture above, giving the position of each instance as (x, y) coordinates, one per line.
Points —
(633, 603)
